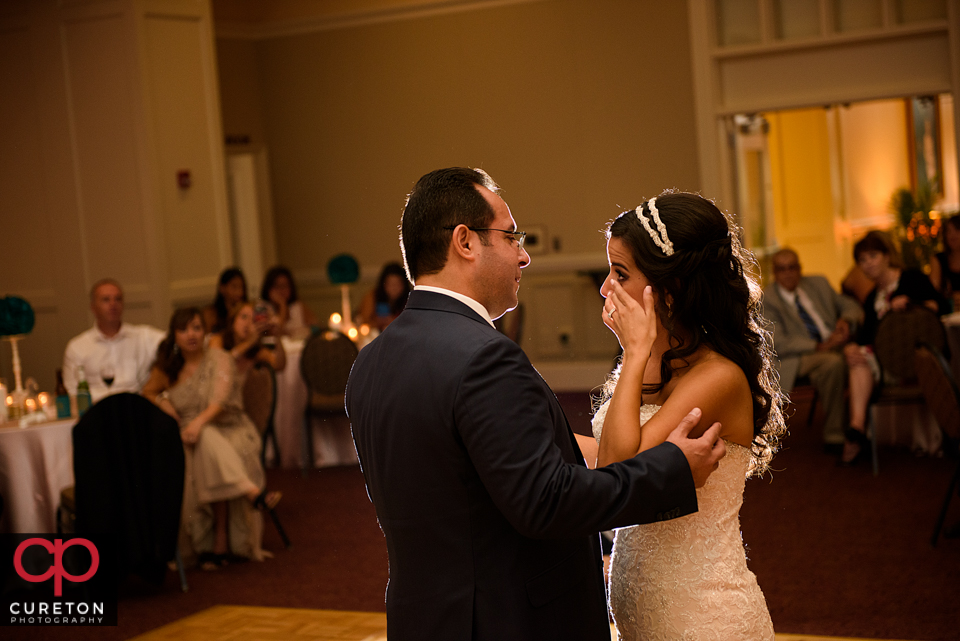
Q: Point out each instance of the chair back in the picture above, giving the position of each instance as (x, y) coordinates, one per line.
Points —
(325, 365)
(128, 463)
(898, 335)
(260, 396)
(939, 388)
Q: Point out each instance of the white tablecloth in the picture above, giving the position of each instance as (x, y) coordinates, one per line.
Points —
(332, 442)
(36, 463)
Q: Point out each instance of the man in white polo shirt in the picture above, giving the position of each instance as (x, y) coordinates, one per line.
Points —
(110, 346)
(811, 324)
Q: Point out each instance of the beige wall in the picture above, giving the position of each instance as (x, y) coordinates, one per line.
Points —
(240, 89)
(874, 146)
(578, 108)
(103, 102)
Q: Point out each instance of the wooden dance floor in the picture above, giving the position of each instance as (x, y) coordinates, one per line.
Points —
(235, 623)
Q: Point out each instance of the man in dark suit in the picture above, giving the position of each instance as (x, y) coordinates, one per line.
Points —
(811, 325)
(489, 512)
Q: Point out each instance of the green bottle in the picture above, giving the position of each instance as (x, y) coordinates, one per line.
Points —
(83, 393)
(63, 398)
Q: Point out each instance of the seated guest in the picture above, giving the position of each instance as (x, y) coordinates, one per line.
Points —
(945, 270)
(811, 325)
(231, 291)
(242, 339)
(225, 482)
(895, 289)
(115, 356)
(385, 302)
(280, 291)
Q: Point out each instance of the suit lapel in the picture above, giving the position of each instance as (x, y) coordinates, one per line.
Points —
(433, 301)
(790, 312)
(813, 294)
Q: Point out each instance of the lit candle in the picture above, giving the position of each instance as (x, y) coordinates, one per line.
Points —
(44, 399)
(31, 405)
(364, 329)
(352, 333)
(335, 319)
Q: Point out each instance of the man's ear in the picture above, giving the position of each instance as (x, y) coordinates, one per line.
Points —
(461, 243)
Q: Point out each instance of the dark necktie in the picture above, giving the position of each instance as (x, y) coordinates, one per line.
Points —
(808, 321)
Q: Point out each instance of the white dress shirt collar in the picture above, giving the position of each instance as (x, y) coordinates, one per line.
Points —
(100, 336)
(788, 296)
(466, 300)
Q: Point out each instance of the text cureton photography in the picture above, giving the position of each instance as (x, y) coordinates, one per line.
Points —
(52, 579)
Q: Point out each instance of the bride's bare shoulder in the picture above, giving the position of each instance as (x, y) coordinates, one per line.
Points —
(717, 370)
(720, 388)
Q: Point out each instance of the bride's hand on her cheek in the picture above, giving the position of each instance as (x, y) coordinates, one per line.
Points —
(634, 322)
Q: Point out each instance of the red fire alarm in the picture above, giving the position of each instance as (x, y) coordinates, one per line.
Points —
(183, 179)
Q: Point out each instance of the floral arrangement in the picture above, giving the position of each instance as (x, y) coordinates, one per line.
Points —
(918, 225)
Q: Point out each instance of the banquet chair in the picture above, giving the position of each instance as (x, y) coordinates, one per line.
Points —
(325, 365)
(128, 463)
(260, 403)
(943, 397)
(803, 390)
(898, 335)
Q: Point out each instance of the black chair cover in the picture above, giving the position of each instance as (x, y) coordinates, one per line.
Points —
(129, 467)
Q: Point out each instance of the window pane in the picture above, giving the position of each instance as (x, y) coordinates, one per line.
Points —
(919, 10)
(797, 18)
(738, 22)
(854, 15)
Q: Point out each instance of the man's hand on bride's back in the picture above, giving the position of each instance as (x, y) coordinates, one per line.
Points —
(704, 453)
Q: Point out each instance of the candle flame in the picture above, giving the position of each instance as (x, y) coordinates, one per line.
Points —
(352, 333)
(335, 318)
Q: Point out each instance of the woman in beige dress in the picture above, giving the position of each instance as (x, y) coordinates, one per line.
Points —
(225, 481)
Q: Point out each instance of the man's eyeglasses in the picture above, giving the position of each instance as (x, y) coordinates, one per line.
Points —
(517, 235)
(793, 267)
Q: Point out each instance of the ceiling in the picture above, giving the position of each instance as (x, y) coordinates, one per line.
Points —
(259, 18)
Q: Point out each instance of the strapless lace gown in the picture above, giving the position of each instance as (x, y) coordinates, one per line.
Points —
(687, 579)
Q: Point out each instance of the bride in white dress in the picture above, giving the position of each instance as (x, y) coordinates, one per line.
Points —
(681, 299)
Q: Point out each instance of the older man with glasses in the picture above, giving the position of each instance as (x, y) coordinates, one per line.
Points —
(811, 324)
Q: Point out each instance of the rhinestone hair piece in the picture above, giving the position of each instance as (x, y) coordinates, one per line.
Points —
(662, 240)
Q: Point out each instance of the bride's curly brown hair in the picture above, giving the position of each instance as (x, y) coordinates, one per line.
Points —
(712, 281)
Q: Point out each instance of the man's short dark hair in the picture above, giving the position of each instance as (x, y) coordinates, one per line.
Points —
(442, 198)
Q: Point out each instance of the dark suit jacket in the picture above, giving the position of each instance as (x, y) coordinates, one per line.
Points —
(489, 513)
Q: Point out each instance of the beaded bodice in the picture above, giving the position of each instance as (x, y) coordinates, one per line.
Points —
(687, 578)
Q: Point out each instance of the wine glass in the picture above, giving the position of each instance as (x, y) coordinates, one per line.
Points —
(107, 374)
